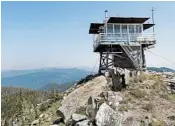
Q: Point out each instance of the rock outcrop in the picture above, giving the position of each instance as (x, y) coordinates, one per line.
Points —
(106, 116)
(78, 117)
(134, 106)
(94, 103)
(79, 97)
(112, 98)
(83, 123)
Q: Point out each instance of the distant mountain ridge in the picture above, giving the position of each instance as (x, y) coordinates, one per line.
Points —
(56, 87)
(37, 78)
(160, 69)
(11, 73)
(45, 78)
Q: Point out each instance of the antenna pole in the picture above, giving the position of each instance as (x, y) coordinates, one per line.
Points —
(106, 11)
(153, 17)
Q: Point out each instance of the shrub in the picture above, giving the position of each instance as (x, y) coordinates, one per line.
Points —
(171, 97)
(154, 122)
(157, 123)
(142, 123)
(44, 107)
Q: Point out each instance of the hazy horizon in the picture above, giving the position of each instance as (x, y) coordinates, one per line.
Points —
(71, 67)
(80, 67)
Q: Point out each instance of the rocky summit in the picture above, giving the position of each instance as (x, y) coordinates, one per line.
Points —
(147, 100)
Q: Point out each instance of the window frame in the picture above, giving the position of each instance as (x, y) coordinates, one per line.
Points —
(109, 28)
(121, 26)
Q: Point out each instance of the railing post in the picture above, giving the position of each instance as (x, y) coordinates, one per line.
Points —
(128, 34)
(141, 63)
(128, 38)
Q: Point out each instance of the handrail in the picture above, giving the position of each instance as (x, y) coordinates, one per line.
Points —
(128, 34)
(129, 51)
(143, 38)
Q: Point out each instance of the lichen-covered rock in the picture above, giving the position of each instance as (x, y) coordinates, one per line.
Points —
(92, 107)
(83, 123)
(112, 98)
(106, 116)
(78, 117)
(91, 112)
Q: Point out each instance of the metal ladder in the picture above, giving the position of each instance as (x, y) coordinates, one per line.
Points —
(134, 55)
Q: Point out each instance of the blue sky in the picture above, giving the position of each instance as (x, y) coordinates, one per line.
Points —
(55, 34)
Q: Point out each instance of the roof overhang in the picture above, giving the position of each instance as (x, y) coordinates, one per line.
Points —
(127, 20)
(94, 27)
(146, 26)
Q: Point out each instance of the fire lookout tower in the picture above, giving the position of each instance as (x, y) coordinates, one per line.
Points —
(121, 42)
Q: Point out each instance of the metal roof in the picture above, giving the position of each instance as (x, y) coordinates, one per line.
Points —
(146, 26)
(127, 19)
(94, 27)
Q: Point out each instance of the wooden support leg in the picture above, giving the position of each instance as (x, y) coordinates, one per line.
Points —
(107, 56)
(100, 64)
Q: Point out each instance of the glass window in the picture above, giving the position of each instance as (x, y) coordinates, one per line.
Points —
(131, 28)
(109, 28)
(124, 28)
(117, 28)
(138, 29)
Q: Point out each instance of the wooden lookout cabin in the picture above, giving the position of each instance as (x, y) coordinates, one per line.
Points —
(121, 42)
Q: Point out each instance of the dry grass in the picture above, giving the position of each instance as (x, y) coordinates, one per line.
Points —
(140, 78)
(143, 77)
(128, 99)
(159, 84)
(124, 107)
(154, 122)
(138, 93)
(150, 85)
(148, 107)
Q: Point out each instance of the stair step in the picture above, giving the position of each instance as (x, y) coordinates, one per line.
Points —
(132, 55)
